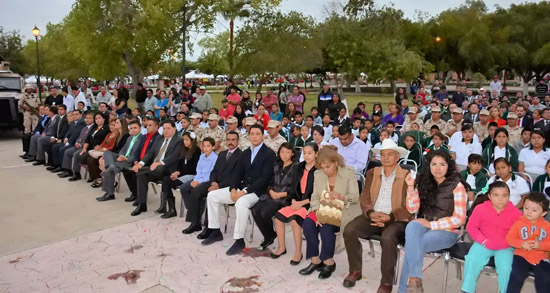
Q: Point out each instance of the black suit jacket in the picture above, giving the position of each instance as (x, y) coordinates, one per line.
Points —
(255, 176)
(171, 155)
(39, 128)
(62, 128)
(93, 140)
(149, 146)
(527, 122)
(223, 169)
(468, 116)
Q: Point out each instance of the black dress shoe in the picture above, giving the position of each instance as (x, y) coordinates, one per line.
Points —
(194, 227)
(106, 197)
(30, 159)
(139, 209)
(135, 203)
(132, 197)
(160, 210)
(56, 170)
(311, 268)
(38, 163)
(169, 214)
(51, 168)
(236, 248)
(24, 156)
(75, 177)
(327, 271)
(275, 256)
(215, 235)
(65, 174)
(204, 234)
(266, 243)
(295, 263)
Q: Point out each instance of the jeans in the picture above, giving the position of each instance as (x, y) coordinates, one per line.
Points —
(418, 241)
(477, 258)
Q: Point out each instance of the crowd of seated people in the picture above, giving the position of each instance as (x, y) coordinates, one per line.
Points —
(410, 177)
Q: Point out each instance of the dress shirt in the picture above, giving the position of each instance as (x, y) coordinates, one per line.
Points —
(355, 154)
(68, 101)
(383, 202)
(131, 146)
(205, 167)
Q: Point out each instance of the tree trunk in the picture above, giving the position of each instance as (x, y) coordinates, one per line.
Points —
(183, 42)
(357, 86)
(136, 73)
(393, 86)
(231, 28)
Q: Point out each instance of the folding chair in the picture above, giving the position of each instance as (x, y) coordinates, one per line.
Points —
(85, 167)
(406, 164)
(529, 182)
(250, 220)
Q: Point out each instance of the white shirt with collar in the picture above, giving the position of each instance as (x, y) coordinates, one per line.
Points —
(463, 150)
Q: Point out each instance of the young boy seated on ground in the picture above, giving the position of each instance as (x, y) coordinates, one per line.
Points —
(473, 175)
(529, 236)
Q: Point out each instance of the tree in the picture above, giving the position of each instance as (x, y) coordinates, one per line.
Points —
(110, 34)
(213, 59)
(230, 10)
(283, 43)
(55, 63)
(11, 49)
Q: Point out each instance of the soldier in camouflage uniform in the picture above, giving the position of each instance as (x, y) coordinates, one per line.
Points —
(195, 126)
(273, 139)
(244, 141)
(435, 120)
(232, 124)
(514, 131)
(215, 131)
(454, 124)
(481, 127)
(29, 103)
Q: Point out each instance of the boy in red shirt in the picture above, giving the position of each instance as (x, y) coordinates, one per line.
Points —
(529, 235)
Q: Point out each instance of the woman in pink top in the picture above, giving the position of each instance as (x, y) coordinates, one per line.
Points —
(234, 99)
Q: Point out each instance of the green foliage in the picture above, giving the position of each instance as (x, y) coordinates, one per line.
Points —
(480, 79)
(11, 49)
(282, 43)
(213, 59)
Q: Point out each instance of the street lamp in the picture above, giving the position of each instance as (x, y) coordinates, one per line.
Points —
(437, 41)
(36, 34)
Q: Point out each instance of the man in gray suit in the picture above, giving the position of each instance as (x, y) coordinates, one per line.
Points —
(161, 160)
(49, 131)
(114, 163)
(45, 143)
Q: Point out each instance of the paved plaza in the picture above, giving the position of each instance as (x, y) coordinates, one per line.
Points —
(55, 237)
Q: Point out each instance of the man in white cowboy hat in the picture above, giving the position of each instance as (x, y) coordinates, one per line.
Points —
(29, 103)
(383, 214)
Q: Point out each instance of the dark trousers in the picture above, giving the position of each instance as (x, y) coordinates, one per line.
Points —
(145, 176)
(520, 271)
(195, 201)
(392, 234)
(328, 238)
(26, 140)
(168, 184)
(131, 179)
(58, 150)
(93, 168)
(263, 212)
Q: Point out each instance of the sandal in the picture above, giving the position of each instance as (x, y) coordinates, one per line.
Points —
(97, 183)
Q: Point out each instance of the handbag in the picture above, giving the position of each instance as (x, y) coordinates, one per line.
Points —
(95, 154)
(330, 210)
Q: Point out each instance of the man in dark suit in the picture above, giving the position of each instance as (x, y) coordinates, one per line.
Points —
(59, 148)
(161, 161)
(45, 143)
(125, 158)
(40, 126)
(544, 123)
(68, 153)
(220, 177)
(50, 130)
(250, 179)
(473, 113)
(524, 120)
(145, 145)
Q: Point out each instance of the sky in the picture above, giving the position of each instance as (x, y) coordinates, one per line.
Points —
(23, 15)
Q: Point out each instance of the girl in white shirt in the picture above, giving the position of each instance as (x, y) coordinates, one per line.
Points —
(532, 160)
(518, 186)
(460, 150)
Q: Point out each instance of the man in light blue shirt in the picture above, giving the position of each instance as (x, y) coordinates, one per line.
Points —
(354, 151)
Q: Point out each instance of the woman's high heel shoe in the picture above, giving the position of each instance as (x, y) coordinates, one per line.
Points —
(295, 263)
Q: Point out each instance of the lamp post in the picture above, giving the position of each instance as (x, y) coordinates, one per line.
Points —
(437, 41)
(36, 34)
